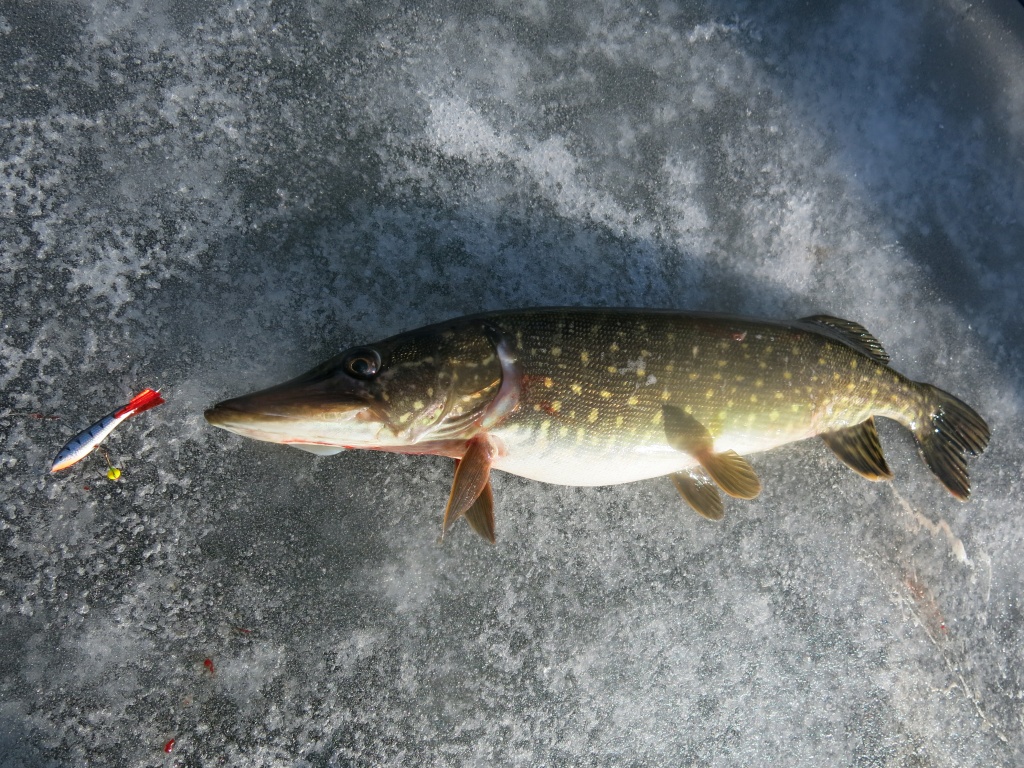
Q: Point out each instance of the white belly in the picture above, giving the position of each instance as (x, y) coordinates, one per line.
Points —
(563, 462)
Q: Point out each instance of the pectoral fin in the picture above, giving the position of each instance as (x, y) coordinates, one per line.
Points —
(480, 516)
(471, 478)
(700, 493)
(728, 469)
(858, 448)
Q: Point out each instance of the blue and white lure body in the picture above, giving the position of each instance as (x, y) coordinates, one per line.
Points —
(82, 444)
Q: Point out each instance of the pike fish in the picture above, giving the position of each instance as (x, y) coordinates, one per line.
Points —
(606, 396)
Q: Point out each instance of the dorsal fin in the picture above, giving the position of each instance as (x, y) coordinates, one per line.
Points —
(851, 333)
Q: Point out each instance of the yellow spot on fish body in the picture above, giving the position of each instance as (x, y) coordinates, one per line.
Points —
(605, 394)
(759, 383)
(618, 420)
(821, 361)
(641, 372)
(665, 394)
(418, 405)
(614, 347)
(592, 416)
(536, 406)
(694, 376)
(612, 369)
(633, 400)
(853, 363)
(787, 375)
(695, 351)
(709, 394)
(656, 419)
(669, 368)
(688, 409)
(563, 431)
(556, 405)
(577, 389)
(556, 351)
(404, 418)
(584, 357)
(753, 398)
(722, 363)
(548, 382)
(545, 426)
(580, 434)
(716, 376)
(774, 415)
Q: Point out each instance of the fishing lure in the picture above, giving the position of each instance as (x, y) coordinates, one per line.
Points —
(82, 444)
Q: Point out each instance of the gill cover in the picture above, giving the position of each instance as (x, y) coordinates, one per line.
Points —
(445, 384)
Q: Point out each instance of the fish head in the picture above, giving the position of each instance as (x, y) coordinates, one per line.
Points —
(411, 391)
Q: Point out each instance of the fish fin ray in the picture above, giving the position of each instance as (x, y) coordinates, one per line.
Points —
(700, 493)
(851, 333)
(946, 431)
(730, 471)
(471, 476)
(480, 515)
(859, 449)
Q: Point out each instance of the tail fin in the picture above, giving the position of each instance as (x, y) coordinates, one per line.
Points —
(146, 399)
(946, 431)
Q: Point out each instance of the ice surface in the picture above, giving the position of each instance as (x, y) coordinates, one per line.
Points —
(210, 199)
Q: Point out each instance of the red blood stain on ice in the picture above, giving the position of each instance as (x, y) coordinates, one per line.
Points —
(208, 663)
(169, 746)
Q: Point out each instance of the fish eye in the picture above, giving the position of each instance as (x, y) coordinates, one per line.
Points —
(362, 363)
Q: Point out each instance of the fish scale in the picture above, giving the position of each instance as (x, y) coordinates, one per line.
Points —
(753, 385)
(602, 396)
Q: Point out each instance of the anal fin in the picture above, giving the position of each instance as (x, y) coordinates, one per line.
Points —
(730, 471)
(472, 474)
(858, 448)
(700, 493)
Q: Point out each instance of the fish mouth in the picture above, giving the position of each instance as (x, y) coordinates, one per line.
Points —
(297, 411)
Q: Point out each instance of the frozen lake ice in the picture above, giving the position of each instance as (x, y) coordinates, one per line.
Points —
(210, 198)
